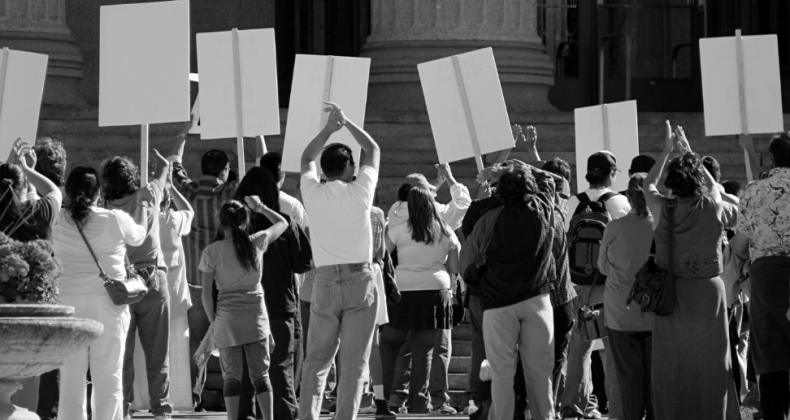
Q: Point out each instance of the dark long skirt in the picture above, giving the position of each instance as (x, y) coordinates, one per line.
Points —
(692, 369)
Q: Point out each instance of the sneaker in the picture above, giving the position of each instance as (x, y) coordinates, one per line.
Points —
(444, 409)
(592, 414)
(570, 413)
(383, 411)
(367, 410)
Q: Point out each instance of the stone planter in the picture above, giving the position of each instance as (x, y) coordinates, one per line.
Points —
(35, 339)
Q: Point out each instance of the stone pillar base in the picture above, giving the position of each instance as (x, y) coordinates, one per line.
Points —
(64, 69)
(525, 71)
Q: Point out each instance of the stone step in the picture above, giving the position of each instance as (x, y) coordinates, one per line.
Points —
(462, 332)
(460, 364)
(462, 349)
(457, 381)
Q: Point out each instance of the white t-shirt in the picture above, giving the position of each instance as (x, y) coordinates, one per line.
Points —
(421, 266)
(339, 213)
(617, 206)
(108, 232)
(292, 207)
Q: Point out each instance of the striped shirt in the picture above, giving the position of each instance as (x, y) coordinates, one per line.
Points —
(206, 195)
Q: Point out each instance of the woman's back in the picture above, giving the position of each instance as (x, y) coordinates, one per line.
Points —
(697, 239)
(422, 266)
(107, 237)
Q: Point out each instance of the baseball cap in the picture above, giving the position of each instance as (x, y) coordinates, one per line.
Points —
(601, 163)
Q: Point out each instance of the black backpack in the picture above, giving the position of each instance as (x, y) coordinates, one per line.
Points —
(584, 238)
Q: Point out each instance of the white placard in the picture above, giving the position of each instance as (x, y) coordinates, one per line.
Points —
(486, 105)
(22, 76)
(260, 104)
(342, 80)
(762, 85)
(144, 63)
(611, 127)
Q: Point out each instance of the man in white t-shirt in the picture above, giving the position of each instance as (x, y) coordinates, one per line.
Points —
(343, 307)
(576, 403)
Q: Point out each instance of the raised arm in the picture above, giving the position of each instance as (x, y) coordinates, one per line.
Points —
(179, 201)
(372, 152)
(278, 222)
(162, 168)
(655, 200)
(334, 122)
(23, 155)
(260, 149)
(747, 143)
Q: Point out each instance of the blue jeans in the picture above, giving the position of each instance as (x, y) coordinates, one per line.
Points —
(342, 316)
(421, 343)
(152, 317)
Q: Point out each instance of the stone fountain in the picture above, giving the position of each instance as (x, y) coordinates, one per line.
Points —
(35, 339)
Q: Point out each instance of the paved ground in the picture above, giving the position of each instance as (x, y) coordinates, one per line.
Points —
(218, 416)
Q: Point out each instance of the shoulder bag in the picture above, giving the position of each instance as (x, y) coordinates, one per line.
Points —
(126, 291)
(654, 288)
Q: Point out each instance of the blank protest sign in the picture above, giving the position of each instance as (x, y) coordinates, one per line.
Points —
(258, 69)
(620, 136)
(445, 104)
(348, 88)
(762, 85)
(144, 63)
(22, 76)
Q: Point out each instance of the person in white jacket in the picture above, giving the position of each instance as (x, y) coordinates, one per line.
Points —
(452, 214)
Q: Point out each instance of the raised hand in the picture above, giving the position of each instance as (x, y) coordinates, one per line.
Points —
(445, 172)
(517, 131)
(22, 154)
(669, 138)
(252, 201)
(532, 136)
(336, 119)
(682, 141)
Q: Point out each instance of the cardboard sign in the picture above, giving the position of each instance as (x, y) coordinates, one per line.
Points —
(341, 80)
(611, 127)
(22, 76)
(144, 63)
(761, 86)
(260, 106)
(465, 105)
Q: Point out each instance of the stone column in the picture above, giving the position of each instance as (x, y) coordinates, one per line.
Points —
(40, 26)
(407, 32)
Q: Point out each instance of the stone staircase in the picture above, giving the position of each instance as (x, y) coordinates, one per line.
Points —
(407, 147)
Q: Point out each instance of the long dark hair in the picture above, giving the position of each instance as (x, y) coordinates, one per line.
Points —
(424, 220)
(233, 216)
(82, 186)
(260, 182)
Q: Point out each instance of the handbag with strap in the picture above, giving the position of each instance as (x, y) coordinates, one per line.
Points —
(654, 288)
(126, 291)
(590, 318)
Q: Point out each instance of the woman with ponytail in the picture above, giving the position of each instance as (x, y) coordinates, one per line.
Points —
(624, 249)
(108, 232)
(240, 324)
(284, 259)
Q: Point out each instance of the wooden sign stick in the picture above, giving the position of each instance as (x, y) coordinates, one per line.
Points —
(3, 69)
(742, 98)
(605, 115)
(470, 125)
(330, 62)
(239, 118)
(143, 155)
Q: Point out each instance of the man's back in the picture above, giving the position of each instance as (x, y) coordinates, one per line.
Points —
(339, 214)
(149, 252)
